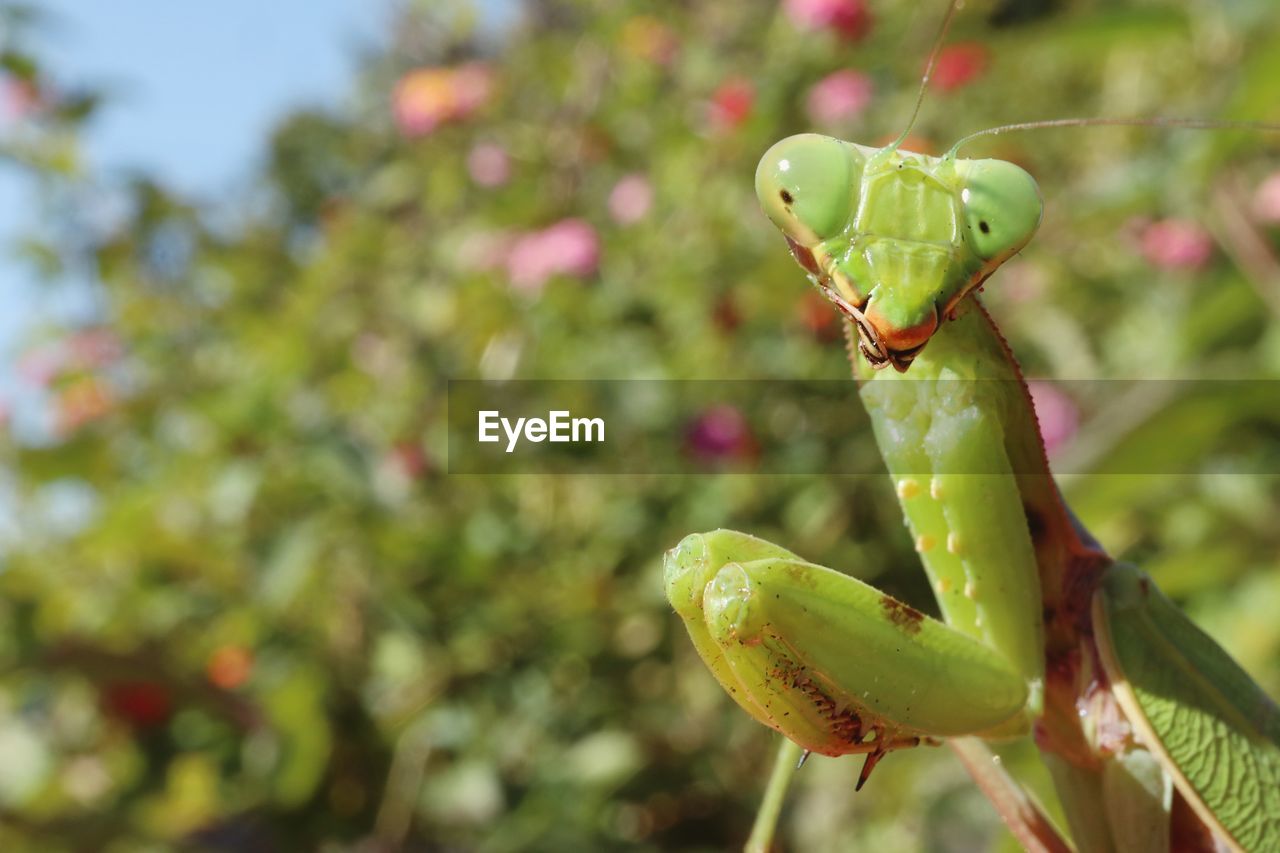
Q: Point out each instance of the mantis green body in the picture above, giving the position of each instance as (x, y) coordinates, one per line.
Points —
(1041, 630)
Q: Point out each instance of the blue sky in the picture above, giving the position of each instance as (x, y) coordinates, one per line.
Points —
(194, 88)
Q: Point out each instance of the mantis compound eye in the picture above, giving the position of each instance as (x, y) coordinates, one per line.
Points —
(1002, 208)
(807, 186)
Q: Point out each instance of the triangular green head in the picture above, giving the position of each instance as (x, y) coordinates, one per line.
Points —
(897, 239)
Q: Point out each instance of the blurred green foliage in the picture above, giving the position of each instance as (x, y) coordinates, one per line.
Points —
(246, 607)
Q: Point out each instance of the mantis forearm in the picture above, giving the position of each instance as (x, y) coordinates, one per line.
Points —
(798, 646)
(942, 431)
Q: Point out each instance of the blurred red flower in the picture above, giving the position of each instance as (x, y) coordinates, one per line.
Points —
(851, 19)
(720, 433)
(725, 314)
(229, 666)
(1176, 244)
(409, 460)
(838, 97)
(958, 64)
(569, 247)
(145, 704)
(731, 103)
(426, 98)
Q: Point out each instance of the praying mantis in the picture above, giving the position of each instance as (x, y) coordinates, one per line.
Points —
(1154, 737)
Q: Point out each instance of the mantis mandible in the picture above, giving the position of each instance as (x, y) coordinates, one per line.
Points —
(1137, 713)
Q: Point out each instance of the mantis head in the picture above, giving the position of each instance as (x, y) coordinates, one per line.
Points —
(895, 239)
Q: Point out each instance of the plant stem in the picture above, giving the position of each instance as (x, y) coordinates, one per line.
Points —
(784, 767)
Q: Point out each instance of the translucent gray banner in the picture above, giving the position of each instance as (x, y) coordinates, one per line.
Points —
(615, 427)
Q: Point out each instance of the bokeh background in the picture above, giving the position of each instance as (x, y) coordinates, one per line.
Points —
(243, 604)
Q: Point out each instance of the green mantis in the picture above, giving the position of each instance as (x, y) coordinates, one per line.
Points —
(1138, 714)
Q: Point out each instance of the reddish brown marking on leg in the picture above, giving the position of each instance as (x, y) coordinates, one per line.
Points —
(844, 725)
(904, 616)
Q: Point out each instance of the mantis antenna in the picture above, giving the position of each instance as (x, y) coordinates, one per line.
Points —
(1188, 123)
(938, 41)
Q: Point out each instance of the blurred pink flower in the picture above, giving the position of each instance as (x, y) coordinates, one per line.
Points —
(731, 103)
(22, 99)
(720, 432)
(1176, 244)
(838, 97)
(426, 98)
(39, 366)
(82, 350)
(569, 247)
(1266, 200)
(630, 199)
(849, 18)
(1023, 281)
(409, 460)
(1056, 412)
(489, 165)
(958, 64)
(91, 348)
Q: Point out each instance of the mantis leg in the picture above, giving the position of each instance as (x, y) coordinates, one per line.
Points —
(827, 660)
(942, 430)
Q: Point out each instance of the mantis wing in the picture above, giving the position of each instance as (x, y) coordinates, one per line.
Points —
(1214, 730)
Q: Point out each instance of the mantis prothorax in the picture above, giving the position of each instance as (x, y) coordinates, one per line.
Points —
(1040, 630)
